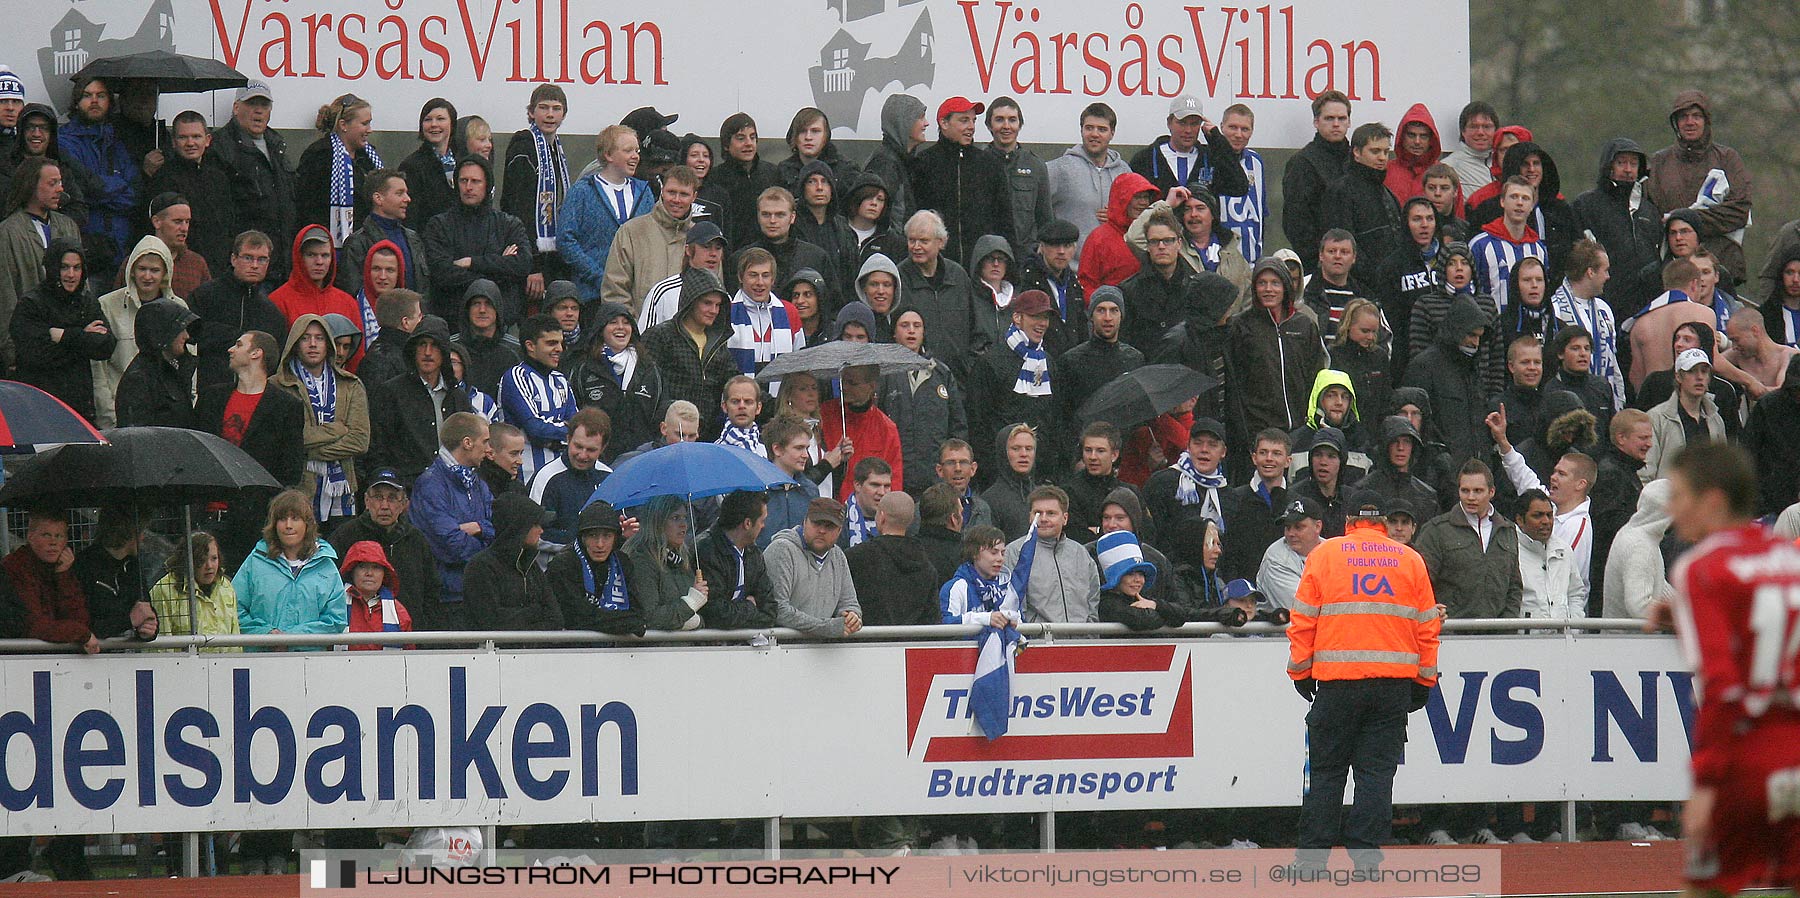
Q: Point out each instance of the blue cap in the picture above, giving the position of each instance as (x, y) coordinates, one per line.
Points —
(387, 477)
(1239, 589)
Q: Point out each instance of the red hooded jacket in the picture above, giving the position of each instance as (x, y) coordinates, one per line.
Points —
(1406, 174)
(1105, 259)
(300, 296)
(364, 617)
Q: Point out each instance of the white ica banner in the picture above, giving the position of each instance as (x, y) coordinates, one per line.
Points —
(706, 59)
(164, 742)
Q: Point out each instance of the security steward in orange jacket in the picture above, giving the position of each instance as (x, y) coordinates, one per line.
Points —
(1363, 648)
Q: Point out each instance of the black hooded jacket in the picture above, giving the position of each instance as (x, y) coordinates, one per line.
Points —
(635, 408)
(405, 437)
(155, 392)
(1389, 482)
(60, 367)
(833, 235)
(1773, 437)
(207, 187)
(1154, 304)
(1200, 341)
(229, 308)
(719, 564)
(503, 588)
(992, 377)
(1009, 493)
(1453, 379)
(1558, 432)
(262, 187)
(1625, 220)
(489, 357)
(483, 234)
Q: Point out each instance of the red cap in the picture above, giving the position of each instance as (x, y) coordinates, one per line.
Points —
(1032, 302)
(954, 105)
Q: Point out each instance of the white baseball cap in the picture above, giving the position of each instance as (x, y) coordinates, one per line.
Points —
(1691, 358)
(253, 90)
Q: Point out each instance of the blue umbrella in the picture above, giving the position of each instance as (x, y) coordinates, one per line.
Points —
(690, 470)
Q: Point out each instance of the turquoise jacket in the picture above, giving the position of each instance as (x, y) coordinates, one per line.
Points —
(271, 596)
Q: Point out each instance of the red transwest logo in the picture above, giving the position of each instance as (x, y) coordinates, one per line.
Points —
(1068, 703)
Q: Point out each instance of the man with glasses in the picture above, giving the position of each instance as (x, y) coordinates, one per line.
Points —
(235, 302)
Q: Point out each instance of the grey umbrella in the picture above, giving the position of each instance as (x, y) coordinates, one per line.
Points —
(828, 360)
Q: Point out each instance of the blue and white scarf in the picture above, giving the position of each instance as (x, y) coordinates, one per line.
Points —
(613, 597)
(1034, 374)
(1187, 492)
(620, 362)
(343, 187)
(552, 183)
(748, 439)
(761, 331)
(332, 496)
(860, 528)
(448, 161)
(465, 475)
(371, 326)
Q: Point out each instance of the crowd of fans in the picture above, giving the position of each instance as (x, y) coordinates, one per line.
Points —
(443, 358)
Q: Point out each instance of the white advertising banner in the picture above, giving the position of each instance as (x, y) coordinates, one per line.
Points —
(157, 743)
(706, 59)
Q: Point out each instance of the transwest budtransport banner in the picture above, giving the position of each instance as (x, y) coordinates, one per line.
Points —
(171, 742)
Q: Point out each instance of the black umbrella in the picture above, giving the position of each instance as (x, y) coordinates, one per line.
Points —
(141, 466)
(1137, 396)
(137, 466)
(173, 73)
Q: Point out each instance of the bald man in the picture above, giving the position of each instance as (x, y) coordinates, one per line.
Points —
(1754, 352)
(902, 586)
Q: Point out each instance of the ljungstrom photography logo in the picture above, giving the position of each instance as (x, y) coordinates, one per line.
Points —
(332, 874)
(846, 73)
(75, 40)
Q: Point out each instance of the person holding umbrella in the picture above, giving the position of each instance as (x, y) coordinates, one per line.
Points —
(855, 419)
(1017, 379)
(671, 591)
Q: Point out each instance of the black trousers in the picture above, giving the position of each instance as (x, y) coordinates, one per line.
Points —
(1360, 725)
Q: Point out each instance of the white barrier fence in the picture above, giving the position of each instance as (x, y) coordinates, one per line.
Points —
(163, 741)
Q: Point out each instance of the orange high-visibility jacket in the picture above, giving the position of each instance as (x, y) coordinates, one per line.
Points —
(1364, 610)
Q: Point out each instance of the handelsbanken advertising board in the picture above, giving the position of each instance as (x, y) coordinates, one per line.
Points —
(170, 742)
(706, 59)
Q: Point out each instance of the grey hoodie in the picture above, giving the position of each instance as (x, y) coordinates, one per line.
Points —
(1065, 581)
(1079, 189)
(811, 593)
(991, 320)
(1634, 568)
(891, 161)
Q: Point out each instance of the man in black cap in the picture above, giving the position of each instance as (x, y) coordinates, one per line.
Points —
(1325, 486)
(1052, 270)
(646, 119)
(415, 404)
(1402, 520)
(383, 520)
(591, 579)
(1285, 560)
(705, 248)
(1191, 488)
(1094, 363)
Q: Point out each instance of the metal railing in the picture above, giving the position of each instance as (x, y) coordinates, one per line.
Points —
(509, 639)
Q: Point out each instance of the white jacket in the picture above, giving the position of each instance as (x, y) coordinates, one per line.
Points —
(1553, 587)
(1635, 576)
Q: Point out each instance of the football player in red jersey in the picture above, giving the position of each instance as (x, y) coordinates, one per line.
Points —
(1737, 611)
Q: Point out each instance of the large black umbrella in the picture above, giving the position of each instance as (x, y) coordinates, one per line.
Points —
(137, 466)
(141, 466)
(173, 73)
(1137, 396)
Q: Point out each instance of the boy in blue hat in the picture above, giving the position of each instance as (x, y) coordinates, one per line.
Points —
(1122, 596)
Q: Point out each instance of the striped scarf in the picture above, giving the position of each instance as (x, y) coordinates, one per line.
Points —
(371, 326)
(748, 439)
(484, 405)
(552, 183)
(1034, 373)
(614, 597)
(343, 187)
(465, 475)
(332, 496)
(448, 161)
(620, 362)
(760, 331)
(1188, 491)
(860, 527)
